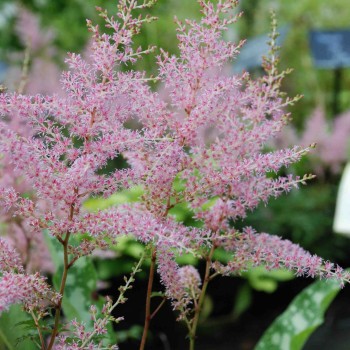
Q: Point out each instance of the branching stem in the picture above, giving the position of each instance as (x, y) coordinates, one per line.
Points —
(120, 299)
(158, 308)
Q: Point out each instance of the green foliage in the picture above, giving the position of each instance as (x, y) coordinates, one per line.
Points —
(161, 33)
(81, 283)
(10, 40)
(126, 196)
(14, 327)
(109, 268)
(267, 281)
(80, 289)
(68, 20)
(301, 16)
(134, 332)
(306, 312)
(242, 302)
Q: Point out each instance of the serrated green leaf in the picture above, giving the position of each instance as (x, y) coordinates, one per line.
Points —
(11, 330)
(80, 286)
(291, 330)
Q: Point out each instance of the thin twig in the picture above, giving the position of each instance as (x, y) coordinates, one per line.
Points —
(158, 308)
(120, 299)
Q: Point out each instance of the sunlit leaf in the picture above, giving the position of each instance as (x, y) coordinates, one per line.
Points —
(126, 196)
(291, 330)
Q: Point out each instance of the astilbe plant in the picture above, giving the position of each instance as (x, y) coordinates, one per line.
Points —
(72, 138)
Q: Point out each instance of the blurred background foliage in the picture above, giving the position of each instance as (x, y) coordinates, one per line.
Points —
(304, 216)
(301, 16)
(67, 19)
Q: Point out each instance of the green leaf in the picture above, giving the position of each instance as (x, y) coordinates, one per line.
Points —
(128, 246)
(181, 212)
(291, 330)
(222, 255)
(135, 332)
(157, 294)
(126, 196)
(207, 308)
(12, 330)
(107, 269)
(243, 301)
(80, 289)
(179, 184)
(186, 259)
(80, 284)
(267, 281)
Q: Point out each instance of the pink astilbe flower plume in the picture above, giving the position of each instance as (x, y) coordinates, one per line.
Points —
(73, 138)
(31, 290)
(9, 258)
(254, 249)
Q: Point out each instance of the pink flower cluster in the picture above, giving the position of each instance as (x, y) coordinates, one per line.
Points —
(73, 137)
(31, 290)
(252, 249)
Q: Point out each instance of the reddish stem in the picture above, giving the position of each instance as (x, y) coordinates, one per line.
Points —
(148, 315)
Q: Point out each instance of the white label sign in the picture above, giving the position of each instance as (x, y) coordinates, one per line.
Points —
(341, 222)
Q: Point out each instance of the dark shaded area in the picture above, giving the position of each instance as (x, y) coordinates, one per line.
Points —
(221, 331)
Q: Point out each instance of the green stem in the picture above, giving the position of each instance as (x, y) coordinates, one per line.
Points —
(148, 299)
